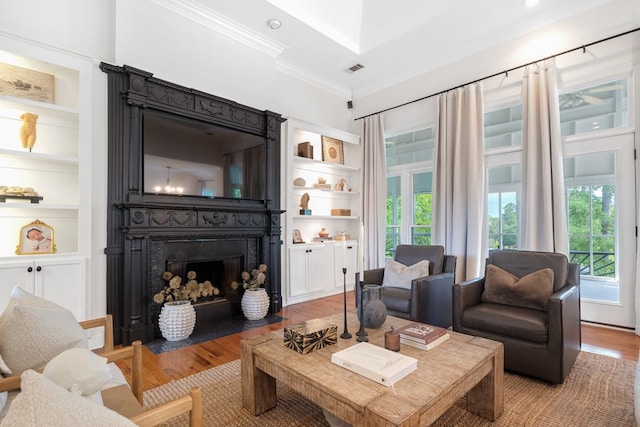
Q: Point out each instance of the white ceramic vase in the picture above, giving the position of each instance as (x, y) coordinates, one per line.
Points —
(177, 320)
(255, 303)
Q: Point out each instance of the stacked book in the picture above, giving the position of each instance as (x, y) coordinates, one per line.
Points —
(422, 336)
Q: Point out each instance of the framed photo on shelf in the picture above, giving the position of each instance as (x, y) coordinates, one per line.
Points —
(25, 83)
(297, 237)
(36, 238)
(332, 150)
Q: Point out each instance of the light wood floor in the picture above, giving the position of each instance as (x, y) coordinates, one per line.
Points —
(165, 367)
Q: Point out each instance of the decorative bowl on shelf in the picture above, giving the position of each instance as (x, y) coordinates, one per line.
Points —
(323, 233)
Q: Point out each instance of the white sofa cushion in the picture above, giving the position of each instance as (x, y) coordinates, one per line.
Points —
(43, 403)
(34, 331)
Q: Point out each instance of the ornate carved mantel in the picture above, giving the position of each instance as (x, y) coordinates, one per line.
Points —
(137, 222)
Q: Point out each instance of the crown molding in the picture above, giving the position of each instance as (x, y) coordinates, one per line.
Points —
(203, 15)
(289, 68)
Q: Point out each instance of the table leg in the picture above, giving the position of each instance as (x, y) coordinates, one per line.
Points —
(258, 388)
(487, 397)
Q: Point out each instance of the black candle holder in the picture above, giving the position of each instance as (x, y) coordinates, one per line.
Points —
(361, 334)
(345, 334)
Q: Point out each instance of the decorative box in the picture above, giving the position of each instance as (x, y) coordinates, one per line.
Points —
(341, 212)
(305, 149)
(311, 335)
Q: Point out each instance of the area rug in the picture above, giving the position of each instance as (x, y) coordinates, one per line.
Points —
(598, 392)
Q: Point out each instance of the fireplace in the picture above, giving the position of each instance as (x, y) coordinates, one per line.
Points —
(218, 226)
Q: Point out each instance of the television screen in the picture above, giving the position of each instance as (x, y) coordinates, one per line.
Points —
(188, 157)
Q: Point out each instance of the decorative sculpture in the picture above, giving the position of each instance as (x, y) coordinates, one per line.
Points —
(304, 204)
(28, 130)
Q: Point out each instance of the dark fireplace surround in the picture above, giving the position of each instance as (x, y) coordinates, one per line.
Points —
(150, 233)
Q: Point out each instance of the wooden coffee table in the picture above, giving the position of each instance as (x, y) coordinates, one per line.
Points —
(461, 365)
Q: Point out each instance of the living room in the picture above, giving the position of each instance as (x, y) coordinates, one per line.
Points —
(195, 55)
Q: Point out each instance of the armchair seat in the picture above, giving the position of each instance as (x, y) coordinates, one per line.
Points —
(495, 320)
(426, 299)
(541, 334)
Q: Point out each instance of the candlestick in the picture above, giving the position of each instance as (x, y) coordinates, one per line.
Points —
(345, 334)
(362, 334)
(361, 250)
(344, 250)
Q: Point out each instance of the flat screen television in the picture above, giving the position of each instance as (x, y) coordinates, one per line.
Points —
(188, 157)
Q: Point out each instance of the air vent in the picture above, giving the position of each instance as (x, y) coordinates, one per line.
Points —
(355, 68)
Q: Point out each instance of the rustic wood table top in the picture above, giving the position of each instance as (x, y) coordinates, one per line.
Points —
(461, 365)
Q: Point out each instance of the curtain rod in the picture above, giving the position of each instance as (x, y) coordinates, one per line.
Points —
(582, 47)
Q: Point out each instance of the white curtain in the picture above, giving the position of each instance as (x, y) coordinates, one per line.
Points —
(459, 179)
(374, 175)
(543, 224)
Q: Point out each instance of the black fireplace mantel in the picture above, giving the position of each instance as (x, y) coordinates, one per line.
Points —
(138, 222)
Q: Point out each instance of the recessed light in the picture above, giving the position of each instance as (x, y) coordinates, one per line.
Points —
(274, 24)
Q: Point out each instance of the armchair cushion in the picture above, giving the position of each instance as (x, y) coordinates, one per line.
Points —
(530, 291)
(34, 331)
(398, 275)
(41, 402)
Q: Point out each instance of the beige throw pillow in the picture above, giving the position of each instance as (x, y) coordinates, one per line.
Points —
(43, 403)
(398, 275)
(33, 331)
(530, 291)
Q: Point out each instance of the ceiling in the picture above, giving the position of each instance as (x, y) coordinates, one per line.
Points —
(393, 40)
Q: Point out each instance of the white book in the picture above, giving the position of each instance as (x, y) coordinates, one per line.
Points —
(375, 363)
(429, 346)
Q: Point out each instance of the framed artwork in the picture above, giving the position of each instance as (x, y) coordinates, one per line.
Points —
(36, 238)
(25, 83)
(332, 150)
(297, 237)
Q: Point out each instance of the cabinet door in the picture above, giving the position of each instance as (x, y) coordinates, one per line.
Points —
(298, 270)
(317, 268)
(63, 281)
(15, 273)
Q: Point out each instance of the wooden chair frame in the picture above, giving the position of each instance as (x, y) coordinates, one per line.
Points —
(191, 403)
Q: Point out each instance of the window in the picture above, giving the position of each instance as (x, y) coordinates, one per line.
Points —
(409, 183)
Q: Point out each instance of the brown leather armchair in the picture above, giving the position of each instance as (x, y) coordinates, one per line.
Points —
(429, 299)
(538, 343)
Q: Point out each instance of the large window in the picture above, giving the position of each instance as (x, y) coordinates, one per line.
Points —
(504, 190)
(409, 183)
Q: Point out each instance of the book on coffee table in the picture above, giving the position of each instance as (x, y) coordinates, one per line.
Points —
(375, 363)
(429, 346)
(421, 332)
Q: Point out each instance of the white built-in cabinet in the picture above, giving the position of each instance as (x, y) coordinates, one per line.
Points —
(313, 269)
(57, 168)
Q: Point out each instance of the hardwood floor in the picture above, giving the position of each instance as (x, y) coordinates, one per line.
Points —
(165, 367)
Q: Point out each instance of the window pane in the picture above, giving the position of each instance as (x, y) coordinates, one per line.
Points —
(421, 235)
(412, 147)
(503, 128)
(603, 106)
(394, 215)
(502, 214)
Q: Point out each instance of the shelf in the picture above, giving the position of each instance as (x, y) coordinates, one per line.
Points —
(314, 217)
(320, 164)
(342, 193)
(38, 156)
(15, 205)
(21, 103)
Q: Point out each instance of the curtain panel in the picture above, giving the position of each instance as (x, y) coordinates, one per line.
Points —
(459, 201)
(374, 176)
(543, 216)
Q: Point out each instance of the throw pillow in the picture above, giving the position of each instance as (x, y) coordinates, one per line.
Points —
(79, 371)
(530, 291)
(43, 403)
(398, 275)
(34, 331)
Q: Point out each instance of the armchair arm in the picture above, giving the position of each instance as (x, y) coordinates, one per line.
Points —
(564, 318)
(431, 299)
(107, 323)
(134, 352)
(465, 294)
(373, 276)
(191, 403)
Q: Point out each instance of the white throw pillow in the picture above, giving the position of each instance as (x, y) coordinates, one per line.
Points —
(34, 331)
(79, 371)
(398, 275)
(43, 403)
(4, 369)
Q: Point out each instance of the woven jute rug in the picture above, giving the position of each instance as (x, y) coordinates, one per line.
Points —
(598, 392)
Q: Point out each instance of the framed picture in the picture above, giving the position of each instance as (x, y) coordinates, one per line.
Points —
(332, 150)
(297, 237)
(25, 83)
(36, 238)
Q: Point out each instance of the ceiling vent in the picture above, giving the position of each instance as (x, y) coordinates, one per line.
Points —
(355, 68)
